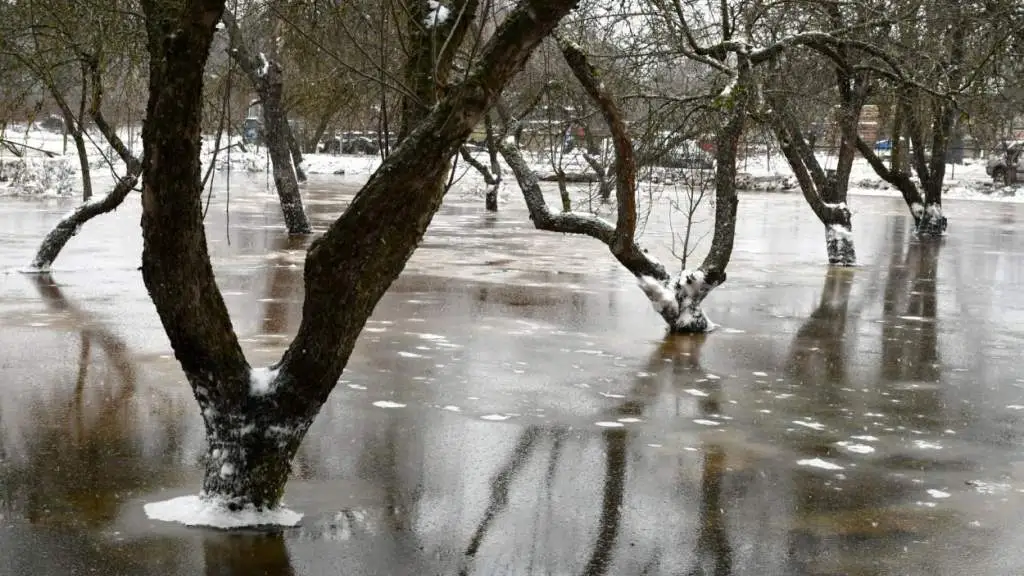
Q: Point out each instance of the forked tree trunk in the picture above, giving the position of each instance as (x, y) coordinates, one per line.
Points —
(826, 191)
(255, 419)
(679, 301)
(267, 79)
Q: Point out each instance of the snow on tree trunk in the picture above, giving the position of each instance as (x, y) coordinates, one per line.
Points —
(679, 301)
(70, 224)
(249, 451)
(839, 245)
(931, 222)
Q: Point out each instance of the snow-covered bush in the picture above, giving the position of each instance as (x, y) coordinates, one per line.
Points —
(38, 176)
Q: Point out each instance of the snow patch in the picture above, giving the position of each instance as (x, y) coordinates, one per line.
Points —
(262, 381)
(609, 424)
(704, 422)
(811, 425)
(856, 448)
(695, 392)
(213, 512)
(437, 15)
(938, 494)
(819, 463)
(661, 297)
(495, 417)
(388, 404)
(264, 65)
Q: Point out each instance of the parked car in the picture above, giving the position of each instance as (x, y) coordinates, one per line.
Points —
(1005, 164)
(53, 123)
(349, 143)
(252, 131)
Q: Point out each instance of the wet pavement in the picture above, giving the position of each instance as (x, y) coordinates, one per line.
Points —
(514, 406)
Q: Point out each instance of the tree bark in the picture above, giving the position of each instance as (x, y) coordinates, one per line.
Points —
(258, 418)
(296, 151)
(433, 44)
(267, 79)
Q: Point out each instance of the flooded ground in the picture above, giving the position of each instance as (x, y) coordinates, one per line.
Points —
(514, 406)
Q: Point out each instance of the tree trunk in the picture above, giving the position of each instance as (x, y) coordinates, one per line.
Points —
(296, 150)
(679, 302)
(70, 224)
(432, 46)
(491, 198)
(267, 79)
(257, 418)
(619, 238)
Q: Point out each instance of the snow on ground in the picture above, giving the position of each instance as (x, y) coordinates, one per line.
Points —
(37, 175)
(204, 511)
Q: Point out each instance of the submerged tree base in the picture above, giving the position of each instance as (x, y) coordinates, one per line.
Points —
(214, 513)
(679, 301)
(931, 221)
(839, 244)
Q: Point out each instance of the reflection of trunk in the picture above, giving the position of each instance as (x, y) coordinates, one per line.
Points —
(246, 554)
(70, 224)
(500, 487)
(255, 420)
(825, 327)
(267, 78)
(275, 314)
(817, 357)
(714, 554)
(615, 441)
(910, 339)
(910, 352)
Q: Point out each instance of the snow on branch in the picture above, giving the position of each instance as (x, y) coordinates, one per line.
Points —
(437, 15)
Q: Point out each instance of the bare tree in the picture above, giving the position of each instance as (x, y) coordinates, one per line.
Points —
(255, 419)
(267, 78)
(72, 223)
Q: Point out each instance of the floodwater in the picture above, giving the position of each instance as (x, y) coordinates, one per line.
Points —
(515, 407)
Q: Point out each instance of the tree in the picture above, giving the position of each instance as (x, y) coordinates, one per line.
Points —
(267, 78)
(90, 45)
(256, 418)
(950, 51)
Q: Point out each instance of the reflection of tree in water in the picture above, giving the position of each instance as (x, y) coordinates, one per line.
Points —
(857, 521)
(910, 346)
(817, 358)
(285, 282)
(246, 554)
(80, 460)
(680, 353)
